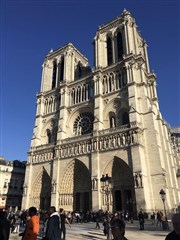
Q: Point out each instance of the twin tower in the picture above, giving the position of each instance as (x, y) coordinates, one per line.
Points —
(101, 121)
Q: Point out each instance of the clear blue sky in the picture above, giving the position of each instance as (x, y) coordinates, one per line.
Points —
(29, 29)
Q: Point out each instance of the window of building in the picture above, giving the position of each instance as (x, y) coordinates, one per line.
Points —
(119, 46)
(109, 51)
(112, 119)
(91, 89)
(61, 69)
(83, 123)
(54, 74)
(112, 122)
(78, 71)
(48, 135)
(5, 184)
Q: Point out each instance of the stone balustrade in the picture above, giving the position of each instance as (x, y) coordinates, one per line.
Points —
(104, 140)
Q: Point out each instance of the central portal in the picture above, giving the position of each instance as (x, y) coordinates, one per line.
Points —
(123, 187)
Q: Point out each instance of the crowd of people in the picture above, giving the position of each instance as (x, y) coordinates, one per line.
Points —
(52, 224)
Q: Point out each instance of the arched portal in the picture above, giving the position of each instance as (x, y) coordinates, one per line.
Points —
(41, 191)
(75, 189)
(123, 187)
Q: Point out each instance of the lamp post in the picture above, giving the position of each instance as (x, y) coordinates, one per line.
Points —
(106, 189)
(163, 197)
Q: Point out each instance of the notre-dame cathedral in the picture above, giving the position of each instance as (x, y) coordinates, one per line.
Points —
(102, 120)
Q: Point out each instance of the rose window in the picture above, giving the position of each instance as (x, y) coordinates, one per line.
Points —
(83, 123)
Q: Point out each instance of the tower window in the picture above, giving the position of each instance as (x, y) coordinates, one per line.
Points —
(119, 46)
(54, 75)
(109, 51)
(62, 69)
(91, 89)
(79, 71)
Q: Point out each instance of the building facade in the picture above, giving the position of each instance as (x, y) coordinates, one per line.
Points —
(105, 120)
(11, 183)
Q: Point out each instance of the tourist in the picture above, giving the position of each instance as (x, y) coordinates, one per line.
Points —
(64, 220)
(175, 234)
(4, 226)
(118, 229)
(32, 225)
(45, 221)
(53, 225)
(153, 218)
(97, 219)
(159, 218)
(141, 220)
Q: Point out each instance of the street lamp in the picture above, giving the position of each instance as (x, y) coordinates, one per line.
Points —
(106, 189)
(163, 197)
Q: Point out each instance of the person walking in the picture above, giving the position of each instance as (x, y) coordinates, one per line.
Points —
(64, 220)
(175, 234)
(4, 226)
(159, 219)
(141, 220)
(153, 216)
(97, 219)
(45, 221)
(32, 226)
(118, 229)
(53, 231)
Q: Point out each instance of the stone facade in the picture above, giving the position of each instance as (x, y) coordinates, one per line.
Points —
(105, 120)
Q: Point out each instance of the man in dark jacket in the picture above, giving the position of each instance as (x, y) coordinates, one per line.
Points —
(4, 226)
(141, 220)
(53, 225)
(175, 234)
(118, 229)
(64, 220)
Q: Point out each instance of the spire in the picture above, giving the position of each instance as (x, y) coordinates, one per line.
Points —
(126, 12)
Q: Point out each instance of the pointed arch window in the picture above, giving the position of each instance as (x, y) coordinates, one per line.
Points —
(54, 74)
(78, 71)
(62, 69)
(112, 121)
(48, 132)
(91, 89)
(119, 46)
(109, 51)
